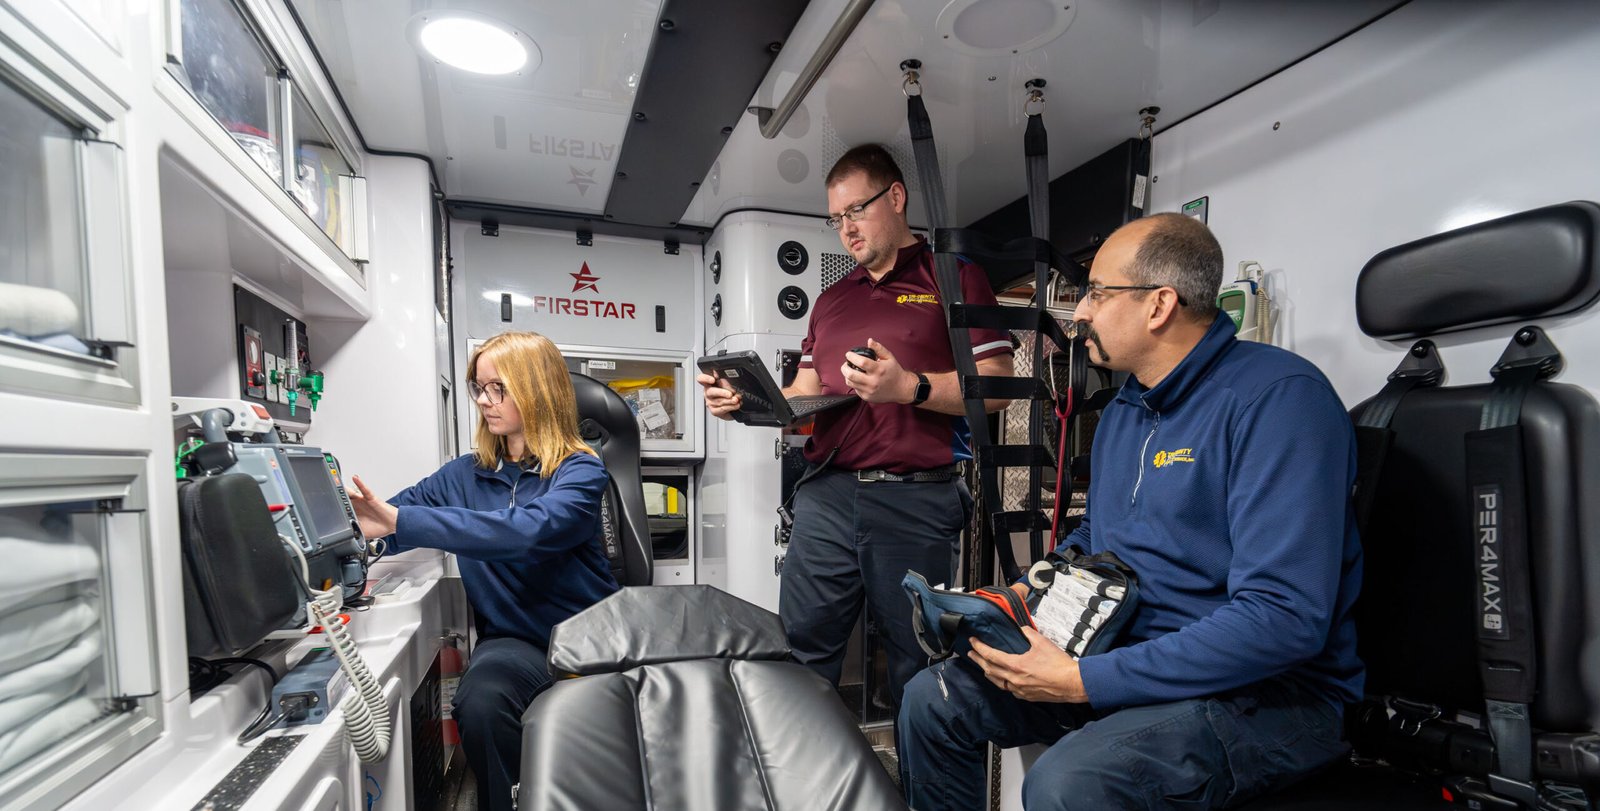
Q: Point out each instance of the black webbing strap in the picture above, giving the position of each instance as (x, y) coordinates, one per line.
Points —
(1421, 367)
(1020, 520)
(999, 387)
(948, 276)
(1010, 261)
(610, 522)
(1017, 456)
(1036, 148)
(1496, 482)
(1000, 316)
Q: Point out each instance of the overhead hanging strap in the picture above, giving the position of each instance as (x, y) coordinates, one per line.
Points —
(1036, 150)
(948, 276)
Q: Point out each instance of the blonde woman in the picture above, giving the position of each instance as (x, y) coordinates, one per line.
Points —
(523, 515)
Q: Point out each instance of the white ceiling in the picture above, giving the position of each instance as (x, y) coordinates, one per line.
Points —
(547, 138)
(550, 139)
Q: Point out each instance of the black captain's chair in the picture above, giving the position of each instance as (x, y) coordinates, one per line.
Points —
(1478, 625)
(609, 426)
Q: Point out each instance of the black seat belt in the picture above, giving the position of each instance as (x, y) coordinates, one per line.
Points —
(610, 521)
(1420, 367)
(1496, 482)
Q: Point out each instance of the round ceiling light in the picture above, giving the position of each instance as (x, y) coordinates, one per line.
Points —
(1002, 27)
(475, 45)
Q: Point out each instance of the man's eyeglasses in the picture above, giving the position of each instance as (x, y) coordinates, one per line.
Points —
(495, 391)
(857, 211)
(1098, 293)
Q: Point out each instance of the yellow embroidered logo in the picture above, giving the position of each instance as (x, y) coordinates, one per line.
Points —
(1165, 458)
(917, 298)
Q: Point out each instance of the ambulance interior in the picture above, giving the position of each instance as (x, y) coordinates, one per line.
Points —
(265, 236)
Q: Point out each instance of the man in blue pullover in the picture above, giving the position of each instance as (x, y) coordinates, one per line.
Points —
(1221, 474)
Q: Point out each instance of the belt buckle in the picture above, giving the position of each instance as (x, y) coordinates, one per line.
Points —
(861, 476)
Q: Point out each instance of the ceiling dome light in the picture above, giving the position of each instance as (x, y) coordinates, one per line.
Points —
(474, 45)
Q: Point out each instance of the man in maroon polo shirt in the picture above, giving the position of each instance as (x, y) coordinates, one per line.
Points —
(891, 497)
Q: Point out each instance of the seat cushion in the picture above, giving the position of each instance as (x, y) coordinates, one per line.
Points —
(708, 734)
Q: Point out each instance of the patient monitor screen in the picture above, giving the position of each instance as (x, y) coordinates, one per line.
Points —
(322, 505)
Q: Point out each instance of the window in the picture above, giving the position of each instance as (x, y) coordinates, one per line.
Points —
(42, 268)
(235, 73)
(319, 166)
(66, 316)
(77, 661)
(234, 77)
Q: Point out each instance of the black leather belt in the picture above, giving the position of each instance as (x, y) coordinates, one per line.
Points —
(938, 474)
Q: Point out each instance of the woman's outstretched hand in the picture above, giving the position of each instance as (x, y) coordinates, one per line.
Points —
(377, 517)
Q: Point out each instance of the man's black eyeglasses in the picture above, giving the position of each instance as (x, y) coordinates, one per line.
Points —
(496, 392)
(1096, 291)
(857, 211)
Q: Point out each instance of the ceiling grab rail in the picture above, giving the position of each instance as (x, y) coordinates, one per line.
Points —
(772, 119)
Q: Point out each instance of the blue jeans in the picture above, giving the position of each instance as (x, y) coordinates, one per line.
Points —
(501, 680)
(851, 544)
(1200, 753)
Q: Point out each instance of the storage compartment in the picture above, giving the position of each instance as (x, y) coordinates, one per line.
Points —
(77, 643)
(656, 386)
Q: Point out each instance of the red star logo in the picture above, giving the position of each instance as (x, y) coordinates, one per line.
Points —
(585, 279)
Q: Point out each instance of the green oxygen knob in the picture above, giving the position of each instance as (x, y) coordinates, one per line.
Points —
(188, 447)
(312, 383)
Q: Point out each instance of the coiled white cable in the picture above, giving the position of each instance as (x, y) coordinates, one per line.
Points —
(366, 712)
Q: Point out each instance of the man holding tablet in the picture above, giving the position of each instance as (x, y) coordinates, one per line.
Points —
(890, 497)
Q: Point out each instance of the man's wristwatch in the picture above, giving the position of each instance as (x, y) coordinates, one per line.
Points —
(924, 389)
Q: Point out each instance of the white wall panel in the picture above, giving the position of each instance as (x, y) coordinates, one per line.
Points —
(748, 244)
(381, 413)
(1440, 115)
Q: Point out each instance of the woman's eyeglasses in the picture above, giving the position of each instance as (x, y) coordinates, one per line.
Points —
(496, 392)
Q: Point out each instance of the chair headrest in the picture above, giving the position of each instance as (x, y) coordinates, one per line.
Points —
(1532, 264)
(645, 625)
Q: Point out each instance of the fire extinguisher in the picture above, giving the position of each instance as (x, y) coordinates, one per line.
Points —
(452, 663)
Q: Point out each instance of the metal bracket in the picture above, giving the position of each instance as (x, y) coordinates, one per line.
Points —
(585, 237)
(670, 247)
(1530, 347)
(490, 227)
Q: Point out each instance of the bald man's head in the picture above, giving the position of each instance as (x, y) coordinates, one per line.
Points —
(1175, 251)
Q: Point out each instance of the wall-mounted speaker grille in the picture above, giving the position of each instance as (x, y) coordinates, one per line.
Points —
(835, 266)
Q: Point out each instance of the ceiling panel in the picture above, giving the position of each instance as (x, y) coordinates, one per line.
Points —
(1113, 58)
(546, 137)
(551, 139)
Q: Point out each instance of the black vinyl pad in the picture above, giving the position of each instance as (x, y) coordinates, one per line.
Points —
(1527, 265)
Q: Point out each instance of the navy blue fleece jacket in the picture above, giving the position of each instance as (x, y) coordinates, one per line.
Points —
(529, 547)
(1226, 487)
